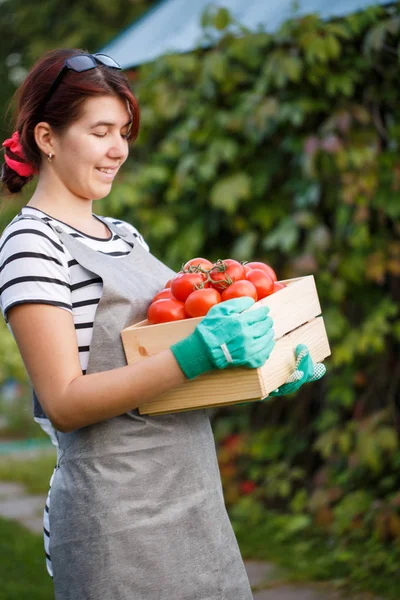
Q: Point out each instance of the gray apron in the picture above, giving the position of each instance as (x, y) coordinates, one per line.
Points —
(137, 509)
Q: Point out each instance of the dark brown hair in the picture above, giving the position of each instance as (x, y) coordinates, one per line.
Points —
(63, 108)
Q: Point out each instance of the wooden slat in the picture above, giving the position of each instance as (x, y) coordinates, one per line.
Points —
(292, 306)
(230, 385)
(240, 385)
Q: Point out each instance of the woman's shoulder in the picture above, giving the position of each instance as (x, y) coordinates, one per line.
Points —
(33, 266)
(26, 218)
(25, 233)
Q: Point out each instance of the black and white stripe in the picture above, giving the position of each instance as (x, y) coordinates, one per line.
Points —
(46, 529)
(36, 267)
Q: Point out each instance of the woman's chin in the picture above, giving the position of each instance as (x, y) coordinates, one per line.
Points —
(100, 192)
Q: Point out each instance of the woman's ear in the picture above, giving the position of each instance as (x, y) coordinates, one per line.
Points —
(44, 138)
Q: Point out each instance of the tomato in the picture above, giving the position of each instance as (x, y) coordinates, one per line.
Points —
(247, 269)
(199, 302)
(166, 293)
(278, 286)
(168, 284)
(201, 263)
(238, 289)
(264, 267)
(164, 310)
(235, 269)
(263, 282)
(225, 272)
(184, 284)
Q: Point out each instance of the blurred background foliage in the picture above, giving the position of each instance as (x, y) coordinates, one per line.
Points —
(285, 148)
(28, 29)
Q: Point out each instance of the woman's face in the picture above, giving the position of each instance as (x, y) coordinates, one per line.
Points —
(89, 153)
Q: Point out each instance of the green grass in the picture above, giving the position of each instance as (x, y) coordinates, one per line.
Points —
(34, 472)
(23, 574)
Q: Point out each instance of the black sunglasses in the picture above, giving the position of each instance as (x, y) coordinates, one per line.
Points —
(80, 63)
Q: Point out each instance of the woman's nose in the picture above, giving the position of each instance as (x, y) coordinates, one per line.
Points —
(119, 148)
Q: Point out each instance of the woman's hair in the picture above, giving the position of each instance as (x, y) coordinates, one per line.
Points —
(63, 108)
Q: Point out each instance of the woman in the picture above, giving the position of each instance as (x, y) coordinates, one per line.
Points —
(136, 508)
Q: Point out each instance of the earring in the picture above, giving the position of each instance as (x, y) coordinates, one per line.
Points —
(49, 157)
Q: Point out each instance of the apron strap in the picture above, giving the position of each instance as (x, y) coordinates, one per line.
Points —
(120, 231)
(55, 228)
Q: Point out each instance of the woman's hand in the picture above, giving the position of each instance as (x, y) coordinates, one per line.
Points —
(305, 371)
(229, 335)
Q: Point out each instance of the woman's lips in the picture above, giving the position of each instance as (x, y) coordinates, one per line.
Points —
(107, 176)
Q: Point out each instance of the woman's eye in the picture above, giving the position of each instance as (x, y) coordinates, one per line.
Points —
(100, 134)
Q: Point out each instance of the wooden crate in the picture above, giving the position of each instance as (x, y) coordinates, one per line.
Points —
(294, 311)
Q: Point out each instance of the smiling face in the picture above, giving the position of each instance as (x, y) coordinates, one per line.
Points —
(90, 152)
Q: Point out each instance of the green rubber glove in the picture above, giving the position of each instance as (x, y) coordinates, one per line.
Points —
(305, 371)
(227, 336)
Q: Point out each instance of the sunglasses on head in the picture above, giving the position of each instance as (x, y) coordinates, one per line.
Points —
(80, 63)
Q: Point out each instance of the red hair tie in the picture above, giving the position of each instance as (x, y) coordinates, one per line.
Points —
(23, 168)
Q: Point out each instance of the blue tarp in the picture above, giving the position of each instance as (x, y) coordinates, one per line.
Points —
(173, 26)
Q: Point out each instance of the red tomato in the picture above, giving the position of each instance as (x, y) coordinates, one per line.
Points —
(235, 268)
(246, 269)
(199, 302)
(278, 286)
(164, 310)
(238, 289)
(264, 267)
(225, 272)
(263, 282)
(202, 263)
(166, 293)
(168, 284)
(184, 284)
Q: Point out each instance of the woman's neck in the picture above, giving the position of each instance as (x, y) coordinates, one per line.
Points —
(61, 203)
(73, 211)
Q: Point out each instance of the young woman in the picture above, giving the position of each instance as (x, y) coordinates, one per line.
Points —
(135, 508)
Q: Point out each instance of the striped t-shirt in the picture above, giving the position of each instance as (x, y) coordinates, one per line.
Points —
(35, 266)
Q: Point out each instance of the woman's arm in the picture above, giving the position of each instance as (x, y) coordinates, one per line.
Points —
(46, 339)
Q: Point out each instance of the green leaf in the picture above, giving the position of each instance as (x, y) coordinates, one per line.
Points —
(230, 191)
(345, 442)
(376, 36)
(369, 451)
(387, 438)
(298, 523)
(216, 66)
(299, 501)
(244, 246)
(349, 507)
(222, 19)
(284, 237)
